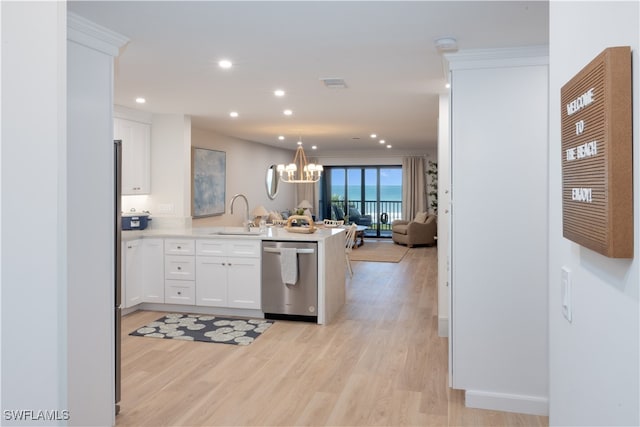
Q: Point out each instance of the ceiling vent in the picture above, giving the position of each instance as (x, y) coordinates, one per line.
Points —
(334, 83)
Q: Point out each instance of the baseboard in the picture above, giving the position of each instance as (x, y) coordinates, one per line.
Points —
(520, 404)
(217, 311)
(443, 326)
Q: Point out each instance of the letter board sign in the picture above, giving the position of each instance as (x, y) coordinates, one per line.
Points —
(597, 155)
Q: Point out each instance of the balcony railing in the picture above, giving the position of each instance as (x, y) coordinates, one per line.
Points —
(383, 213)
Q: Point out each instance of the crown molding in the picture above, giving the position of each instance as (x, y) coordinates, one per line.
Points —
(491, 58)
(90, 34)
(127, 113)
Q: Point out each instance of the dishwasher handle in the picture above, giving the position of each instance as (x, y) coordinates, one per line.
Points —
(298, 251)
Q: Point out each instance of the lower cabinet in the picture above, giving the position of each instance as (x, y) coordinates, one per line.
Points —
(207, 272)
(153, 270)
(243, 282)
(228, 281)
(132, 273)
(179, 292)
(211, 281)
(179, 271)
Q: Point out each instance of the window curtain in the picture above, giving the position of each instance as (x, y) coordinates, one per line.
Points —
(414, 196)
(308, 192)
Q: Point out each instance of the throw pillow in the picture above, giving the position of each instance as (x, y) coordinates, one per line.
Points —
(420, 217)
(430, 219)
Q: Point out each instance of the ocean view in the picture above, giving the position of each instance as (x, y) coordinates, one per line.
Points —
(388, 193)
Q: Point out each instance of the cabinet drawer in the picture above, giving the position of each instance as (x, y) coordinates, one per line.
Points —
(211, 247)
(178, 267)
(244, 248)
(179, 247)
(179, 292)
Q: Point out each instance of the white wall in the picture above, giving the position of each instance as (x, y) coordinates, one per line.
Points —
(594, 361)
(171, 168)
(33, 281)
(499, 222)
(247, 164)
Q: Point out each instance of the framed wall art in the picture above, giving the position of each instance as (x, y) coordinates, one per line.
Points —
(208, 182)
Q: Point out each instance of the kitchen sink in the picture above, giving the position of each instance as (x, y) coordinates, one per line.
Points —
(239, 231)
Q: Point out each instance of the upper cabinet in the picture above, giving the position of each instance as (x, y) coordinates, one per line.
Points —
(136, 155)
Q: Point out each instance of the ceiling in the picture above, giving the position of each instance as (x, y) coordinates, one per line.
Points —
(384, 50)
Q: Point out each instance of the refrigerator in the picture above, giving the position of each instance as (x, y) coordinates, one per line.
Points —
(117, 151)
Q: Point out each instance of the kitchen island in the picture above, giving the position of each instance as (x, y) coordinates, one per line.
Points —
(159, 269)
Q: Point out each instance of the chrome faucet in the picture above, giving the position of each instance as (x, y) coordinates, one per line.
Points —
(246, 222)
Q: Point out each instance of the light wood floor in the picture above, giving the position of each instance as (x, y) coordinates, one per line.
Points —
(381, 363)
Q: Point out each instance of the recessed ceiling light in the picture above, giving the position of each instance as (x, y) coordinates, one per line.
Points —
(382, 141)
(314, 147)
(281, 137)
(388, 146)
(287, 112)
(233, 114)
(299, 142)
(373, 135)
(225, 63)
(278, 92)
(141, 100)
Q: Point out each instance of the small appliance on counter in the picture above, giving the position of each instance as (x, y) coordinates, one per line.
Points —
(135, 220)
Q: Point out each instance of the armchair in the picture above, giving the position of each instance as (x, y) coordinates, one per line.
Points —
(358, 218)
(354, 216)
(338, 213)
(419, 231)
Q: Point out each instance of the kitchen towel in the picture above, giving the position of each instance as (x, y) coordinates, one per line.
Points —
(289, 265)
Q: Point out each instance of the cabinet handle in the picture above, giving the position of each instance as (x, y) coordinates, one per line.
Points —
(179, 247)
(224, 263)
(179, 268)
(229, 264)
(179, 292)
(129, 247)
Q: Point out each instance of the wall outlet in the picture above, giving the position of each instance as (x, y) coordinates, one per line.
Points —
(565, 294)
(165, 208)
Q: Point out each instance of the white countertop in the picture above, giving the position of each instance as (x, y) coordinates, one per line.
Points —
(272, 233)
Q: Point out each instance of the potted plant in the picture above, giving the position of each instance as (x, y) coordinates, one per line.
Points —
(432, 185)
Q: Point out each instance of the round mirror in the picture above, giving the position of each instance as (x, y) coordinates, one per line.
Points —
(272, 181)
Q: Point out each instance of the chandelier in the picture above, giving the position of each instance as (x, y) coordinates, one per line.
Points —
(300, 171)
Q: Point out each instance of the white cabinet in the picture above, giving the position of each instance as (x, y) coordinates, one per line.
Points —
(228, 273)
(153, 270)
(136, 155)
(179, 267)
(179, 247)
(243, 282)
(132, 273)
(179, 271)
(211, 281)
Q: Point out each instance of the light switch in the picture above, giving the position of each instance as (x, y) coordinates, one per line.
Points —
(166, 208)
(565, 293)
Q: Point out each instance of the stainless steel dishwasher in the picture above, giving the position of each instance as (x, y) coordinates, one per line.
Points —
(298, 301)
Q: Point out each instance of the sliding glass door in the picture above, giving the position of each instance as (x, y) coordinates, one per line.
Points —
(368, 195)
